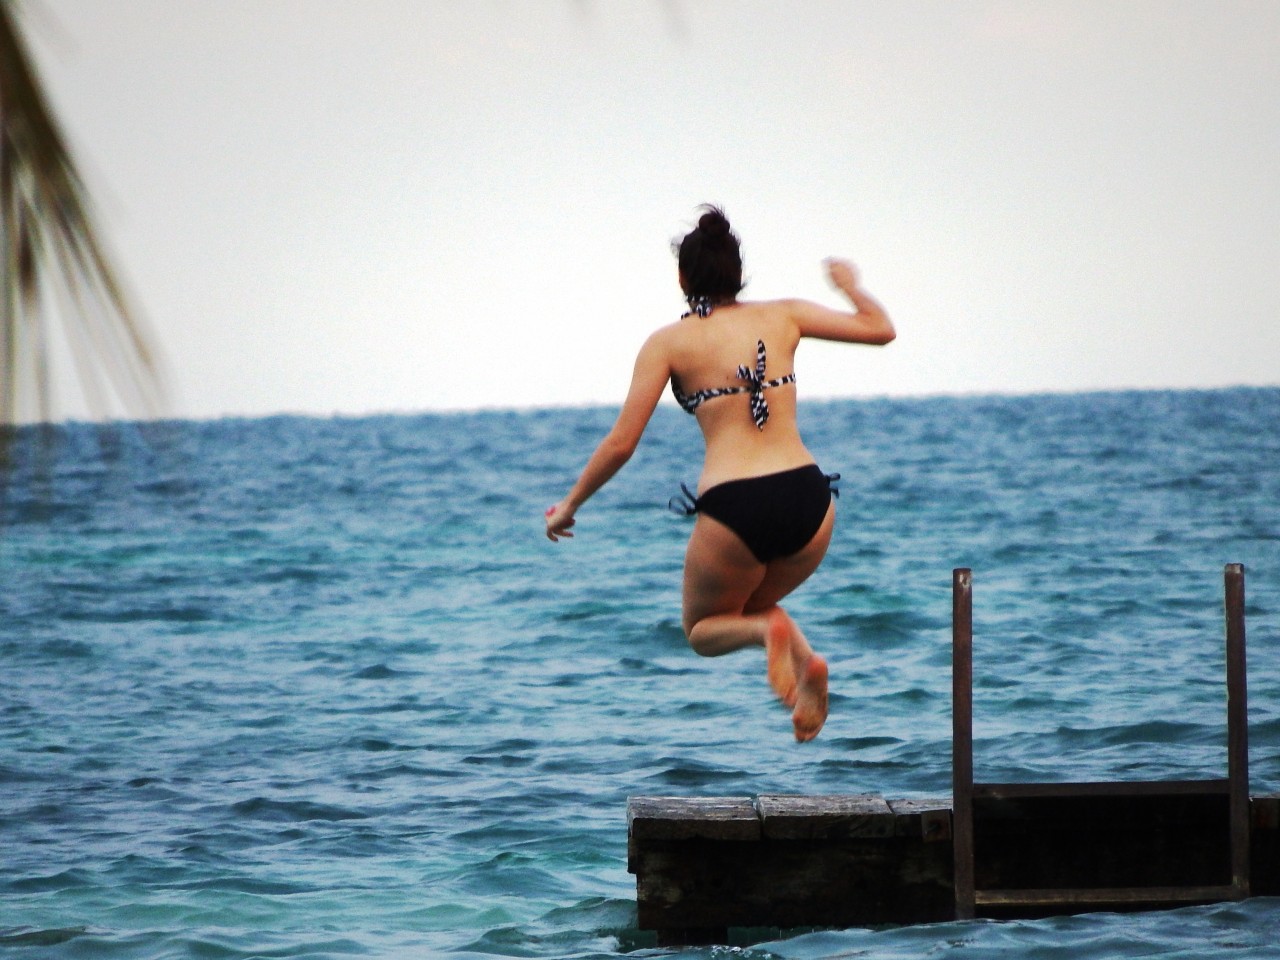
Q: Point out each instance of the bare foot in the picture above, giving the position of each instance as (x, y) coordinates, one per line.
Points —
(811, 702)
(781, 668)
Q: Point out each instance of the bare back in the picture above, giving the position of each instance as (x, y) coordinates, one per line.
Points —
(705, 353)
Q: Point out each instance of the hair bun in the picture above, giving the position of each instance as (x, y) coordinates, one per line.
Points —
(714, 223)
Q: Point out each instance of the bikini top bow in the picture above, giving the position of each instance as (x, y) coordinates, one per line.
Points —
(756, 385)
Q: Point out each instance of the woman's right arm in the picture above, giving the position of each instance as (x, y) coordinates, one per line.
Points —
(867, 324)
(648, 380)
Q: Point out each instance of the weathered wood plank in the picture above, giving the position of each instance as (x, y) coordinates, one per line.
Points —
(1100, 896)
(829, 817)
(930, 820)
(1118, 788)
(692, 818)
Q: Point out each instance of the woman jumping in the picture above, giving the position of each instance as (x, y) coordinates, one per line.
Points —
(765, 510)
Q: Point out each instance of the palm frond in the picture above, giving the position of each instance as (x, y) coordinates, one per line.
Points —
(55, 268)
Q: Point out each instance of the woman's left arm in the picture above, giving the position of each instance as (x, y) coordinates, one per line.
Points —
(648, 380)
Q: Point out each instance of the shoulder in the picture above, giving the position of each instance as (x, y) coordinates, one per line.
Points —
(794, 307)
(666, 332)
(656, 353)
(662, 339)
(785, 309)
(674, 338)
(778, 318)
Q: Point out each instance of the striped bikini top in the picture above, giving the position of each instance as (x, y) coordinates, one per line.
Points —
(756, 385)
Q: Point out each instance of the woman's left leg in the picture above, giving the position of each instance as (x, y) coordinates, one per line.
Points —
(720, 575)
(730, 602)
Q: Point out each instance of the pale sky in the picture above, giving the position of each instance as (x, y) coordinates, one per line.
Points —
(351, 206)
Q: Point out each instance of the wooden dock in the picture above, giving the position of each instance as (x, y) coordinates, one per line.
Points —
(704, 865)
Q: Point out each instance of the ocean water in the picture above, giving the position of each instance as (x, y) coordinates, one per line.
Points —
(300, 687)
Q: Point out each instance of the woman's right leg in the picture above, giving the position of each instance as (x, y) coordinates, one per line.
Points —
(800, 668)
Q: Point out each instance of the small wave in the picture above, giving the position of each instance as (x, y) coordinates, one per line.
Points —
(566, 680)
(1151, 731)
(1041, 701)
(55, 882)
(864, 743)
(15, 775)
(911, 695)
(375, 745)
(600, 914)
(250, 946)
(413, 772)
(155, 788)
(63, 648)
(702, 708)
(652, 667)
(886, 626)
(52, 937)
(695, 776)
(586, 611)
(175, 614)
(862, 765)
(504, 760)
(1266, 730)
(379, 671)
(250, 885)
(271, 721)
(298, 811)
(512, 872)
(294, 575)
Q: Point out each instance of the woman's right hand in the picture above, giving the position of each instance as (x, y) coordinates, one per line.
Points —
(559, 520)
(867, 324)
(843, 274)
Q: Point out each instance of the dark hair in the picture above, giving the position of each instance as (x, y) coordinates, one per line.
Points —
(710, 259)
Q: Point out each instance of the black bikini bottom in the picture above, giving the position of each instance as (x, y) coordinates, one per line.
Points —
(775, 515)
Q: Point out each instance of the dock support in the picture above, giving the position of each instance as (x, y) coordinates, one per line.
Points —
(704, 865)
(962, 736)
(1237, 728)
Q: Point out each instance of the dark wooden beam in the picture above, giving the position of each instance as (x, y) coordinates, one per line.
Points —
(1237, 728)
(962, 736)
(1114, 788)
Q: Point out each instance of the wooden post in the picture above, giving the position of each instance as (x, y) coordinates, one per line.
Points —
(962, 737)
(1237, 729)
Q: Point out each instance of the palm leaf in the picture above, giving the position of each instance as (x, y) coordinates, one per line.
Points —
(55, 271)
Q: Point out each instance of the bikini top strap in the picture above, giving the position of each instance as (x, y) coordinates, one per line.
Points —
(756, 384)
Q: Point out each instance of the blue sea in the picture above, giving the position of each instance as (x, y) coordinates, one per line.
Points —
(304, 687)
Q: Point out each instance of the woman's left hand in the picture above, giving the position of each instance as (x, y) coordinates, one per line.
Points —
(559, 520)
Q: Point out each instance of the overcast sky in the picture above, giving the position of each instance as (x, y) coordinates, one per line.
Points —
(400, 205)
